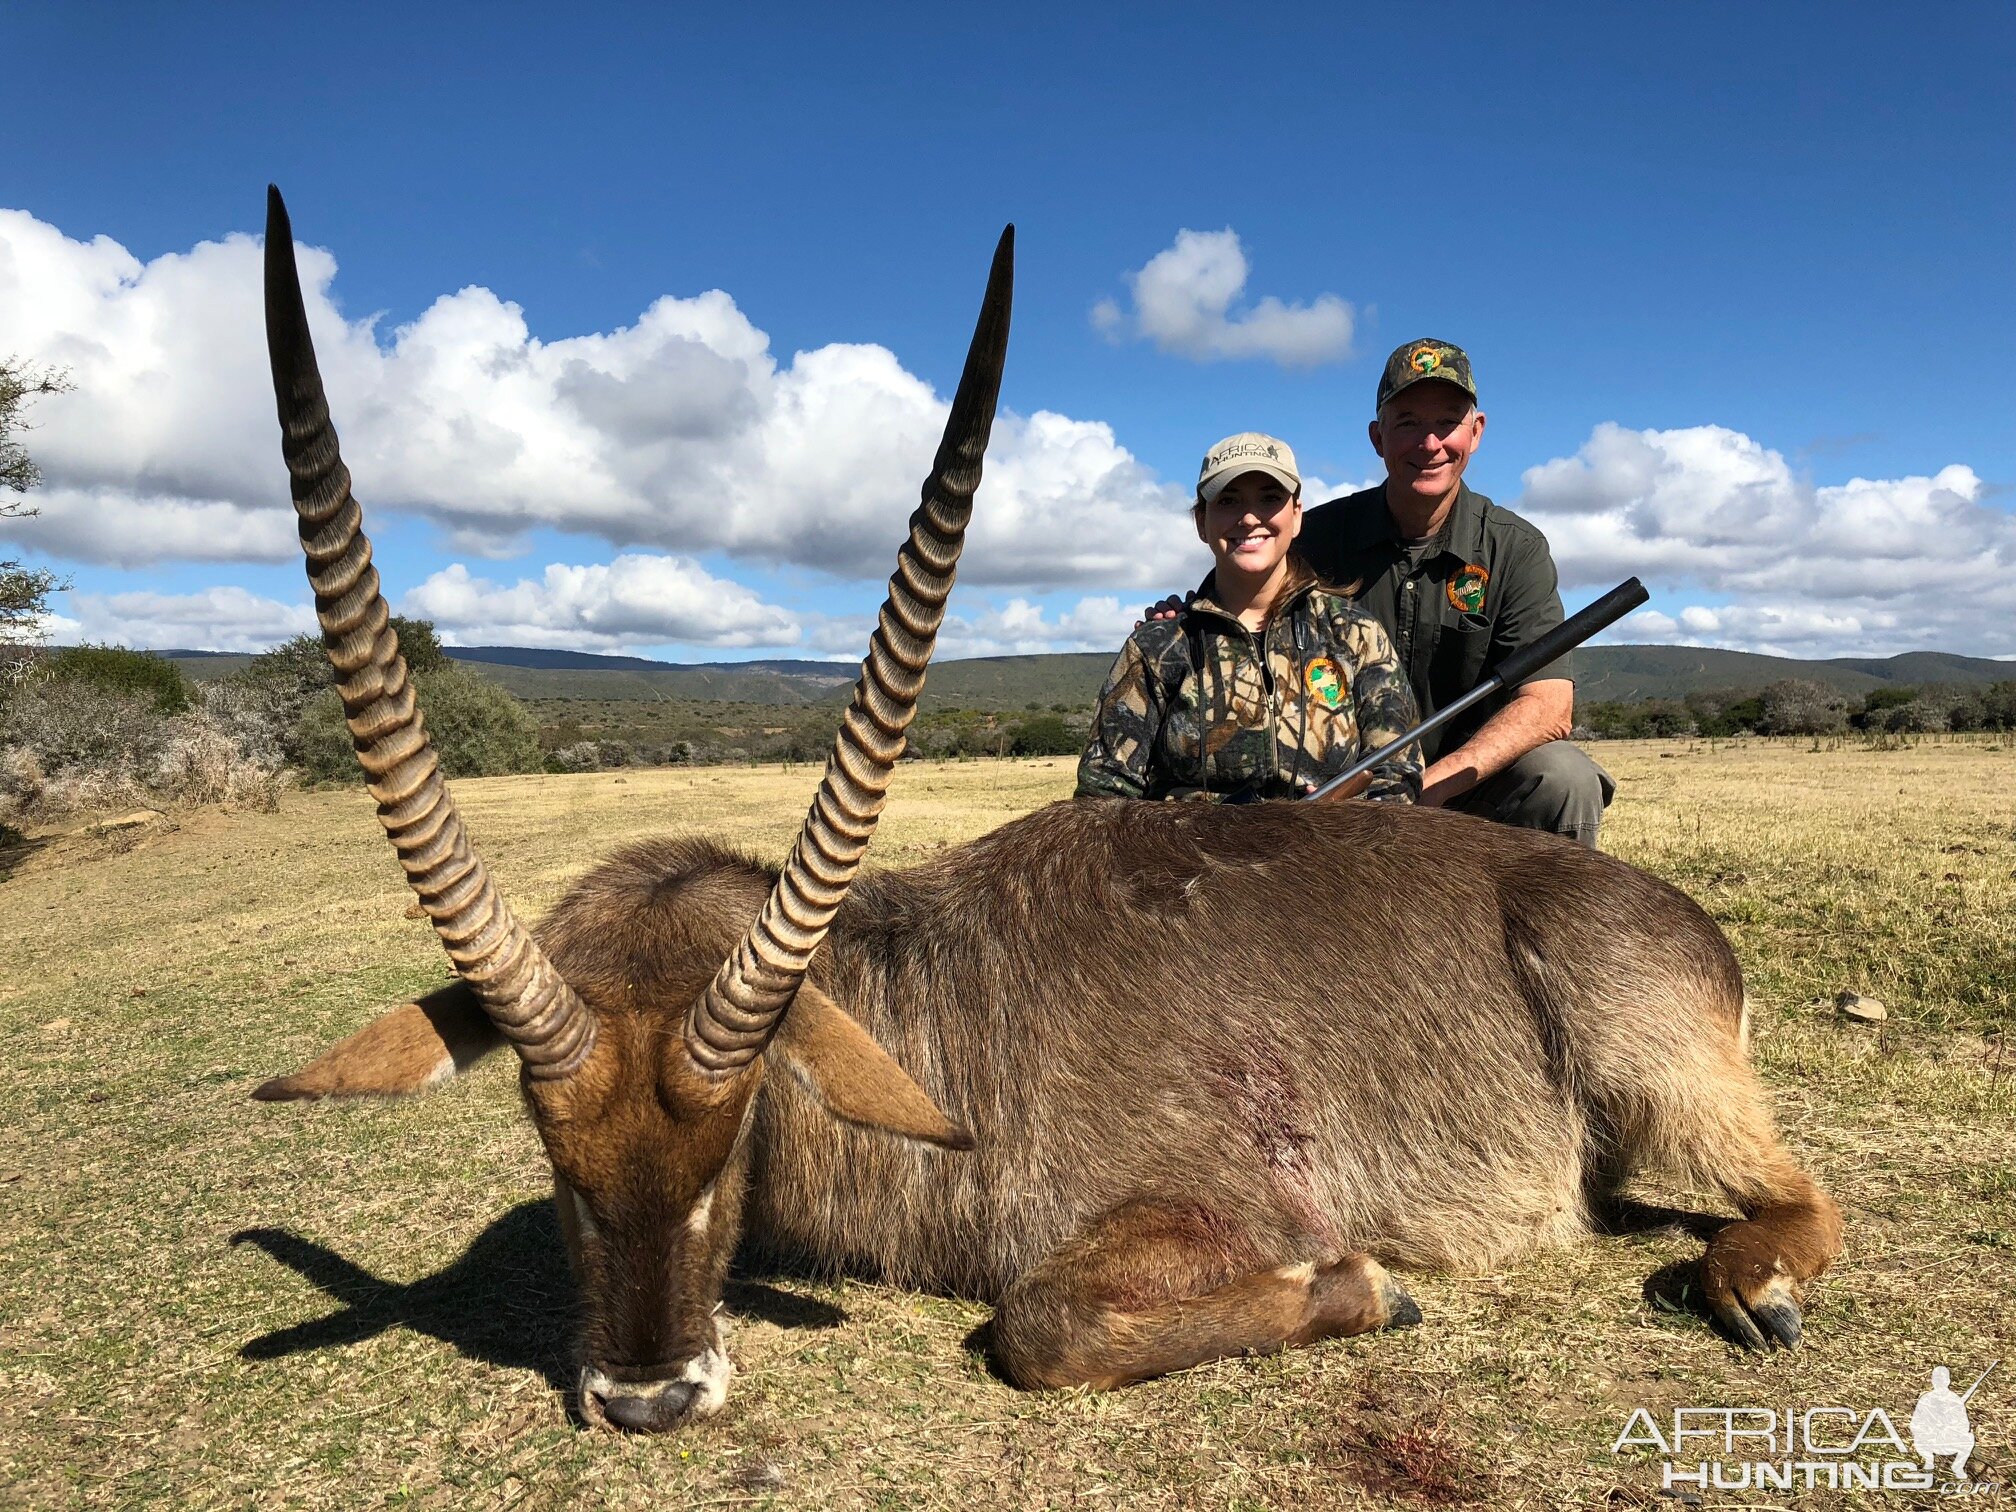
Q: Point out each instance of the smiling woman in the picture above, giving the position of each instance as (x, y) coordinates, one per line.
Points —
(1269, 681)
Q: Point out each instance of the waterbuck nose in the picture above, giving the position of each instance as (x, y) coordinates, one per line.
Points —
(651, 1414)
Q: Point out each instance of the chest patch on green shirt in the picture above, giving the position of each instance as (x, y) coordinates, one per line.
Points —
(1323, 682)
(1466, 589)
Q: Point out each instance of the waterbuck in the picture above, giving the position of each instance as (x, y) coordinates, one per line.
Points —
(1165, 1082)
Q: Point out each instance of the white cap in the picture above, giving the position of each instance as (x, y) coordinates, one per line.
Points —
(1249, 451)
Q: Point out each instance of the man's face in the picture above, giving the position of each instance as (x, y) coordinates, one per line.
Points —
(1425, 435)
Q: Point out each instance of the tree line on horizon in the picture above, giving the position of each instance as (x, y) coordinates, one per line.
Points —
(91, 728)
(1797, 706)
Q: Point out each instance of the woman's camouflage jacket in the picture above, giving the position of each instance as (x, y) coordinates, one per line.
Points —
(1201, 707)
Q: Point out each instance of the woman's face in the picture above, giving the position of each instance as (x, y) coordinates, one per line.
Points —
(1251, 524)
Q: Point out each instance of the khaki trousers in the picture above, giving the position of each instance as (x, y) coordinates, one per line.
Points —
(1554, 787)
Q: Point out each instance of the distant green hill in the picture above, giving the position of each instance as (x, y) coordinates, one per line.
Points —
(1622, 673)
(1628, 673)
(989, 682)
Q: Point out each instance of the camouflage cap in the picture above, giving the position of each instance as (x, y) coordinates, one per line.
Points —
(1249, 451)
(1418, 361)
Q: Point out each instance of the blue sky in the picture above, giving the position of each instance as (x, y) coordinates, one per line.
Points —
(1734, 280)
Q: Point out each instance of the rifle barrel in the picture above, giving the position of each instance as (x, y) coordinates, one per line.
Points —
(1521, 664)
(1980, 1378)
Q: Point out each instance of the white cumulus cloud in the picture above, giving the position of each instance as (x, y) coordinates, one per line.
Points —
(118, 528)
(1872, 566)
(214, 619)
(681, 432)
(636, 600)
(1183, 302)
(1019, 628)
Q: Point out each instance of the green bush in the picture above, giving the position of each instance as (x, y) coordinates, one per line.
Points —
(1651, 718)
(77, 725)
(478, 729)
(1045, 735)
(1877, 704)
(69, 745)
(118, 670)
(1745, 716)
(419, 644)
(984, 740)
(318, 743)
(1798, 707)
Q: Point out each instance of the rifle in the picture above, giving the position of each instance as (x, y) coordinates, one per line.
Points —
(1978, 1380)
(1528, 659)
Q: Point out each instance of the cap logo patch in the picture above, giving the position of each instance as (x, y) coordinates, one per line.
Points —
(1466, 589)
(1242, 449)
(1323, 681)
(1424, 360)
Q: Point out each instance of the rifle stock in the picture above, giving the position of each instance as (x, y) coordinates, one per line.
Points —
(1351, 787)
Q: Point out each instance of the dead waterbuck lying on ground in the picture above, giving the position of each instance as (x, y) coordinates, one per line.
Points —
(1164, 1081)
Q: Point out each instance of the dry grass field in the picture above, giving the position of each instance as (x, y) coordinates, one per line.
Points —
(208, 1302)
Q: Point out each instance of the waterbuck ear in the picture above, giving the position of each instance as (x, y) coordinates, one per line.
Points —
(853, 1077)
(414, 1046)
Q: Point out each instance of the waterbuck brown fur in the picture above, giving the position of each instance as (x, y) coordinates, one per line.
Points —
(1164, 1082)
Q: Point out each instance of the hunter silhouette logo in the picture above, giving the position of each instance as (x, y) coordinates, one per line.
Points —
(1939, 1424)
(1838, 1448)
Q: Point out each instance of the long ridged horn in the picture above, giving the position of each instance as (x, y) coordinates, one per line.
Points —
(735, 1017)
(538, 1012)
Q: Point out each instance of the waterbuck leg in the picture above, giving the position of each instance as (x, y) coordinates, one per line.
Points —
(1712, 1128)
(1155, 1288)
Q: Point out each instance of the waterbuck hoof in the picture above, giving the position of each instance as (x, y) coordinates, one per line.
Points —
(1402, 1311)
(1355, 1295)
(1776, 1308)
(1769, 1319)
(1781, 1323)
(1736, 1323)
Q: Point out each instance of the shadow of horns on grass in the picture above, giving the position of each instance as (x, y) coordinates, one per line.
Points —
(508, 1300)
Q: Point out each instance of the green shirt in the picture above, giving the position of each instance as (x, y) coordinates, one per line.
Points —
(1485, 588)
